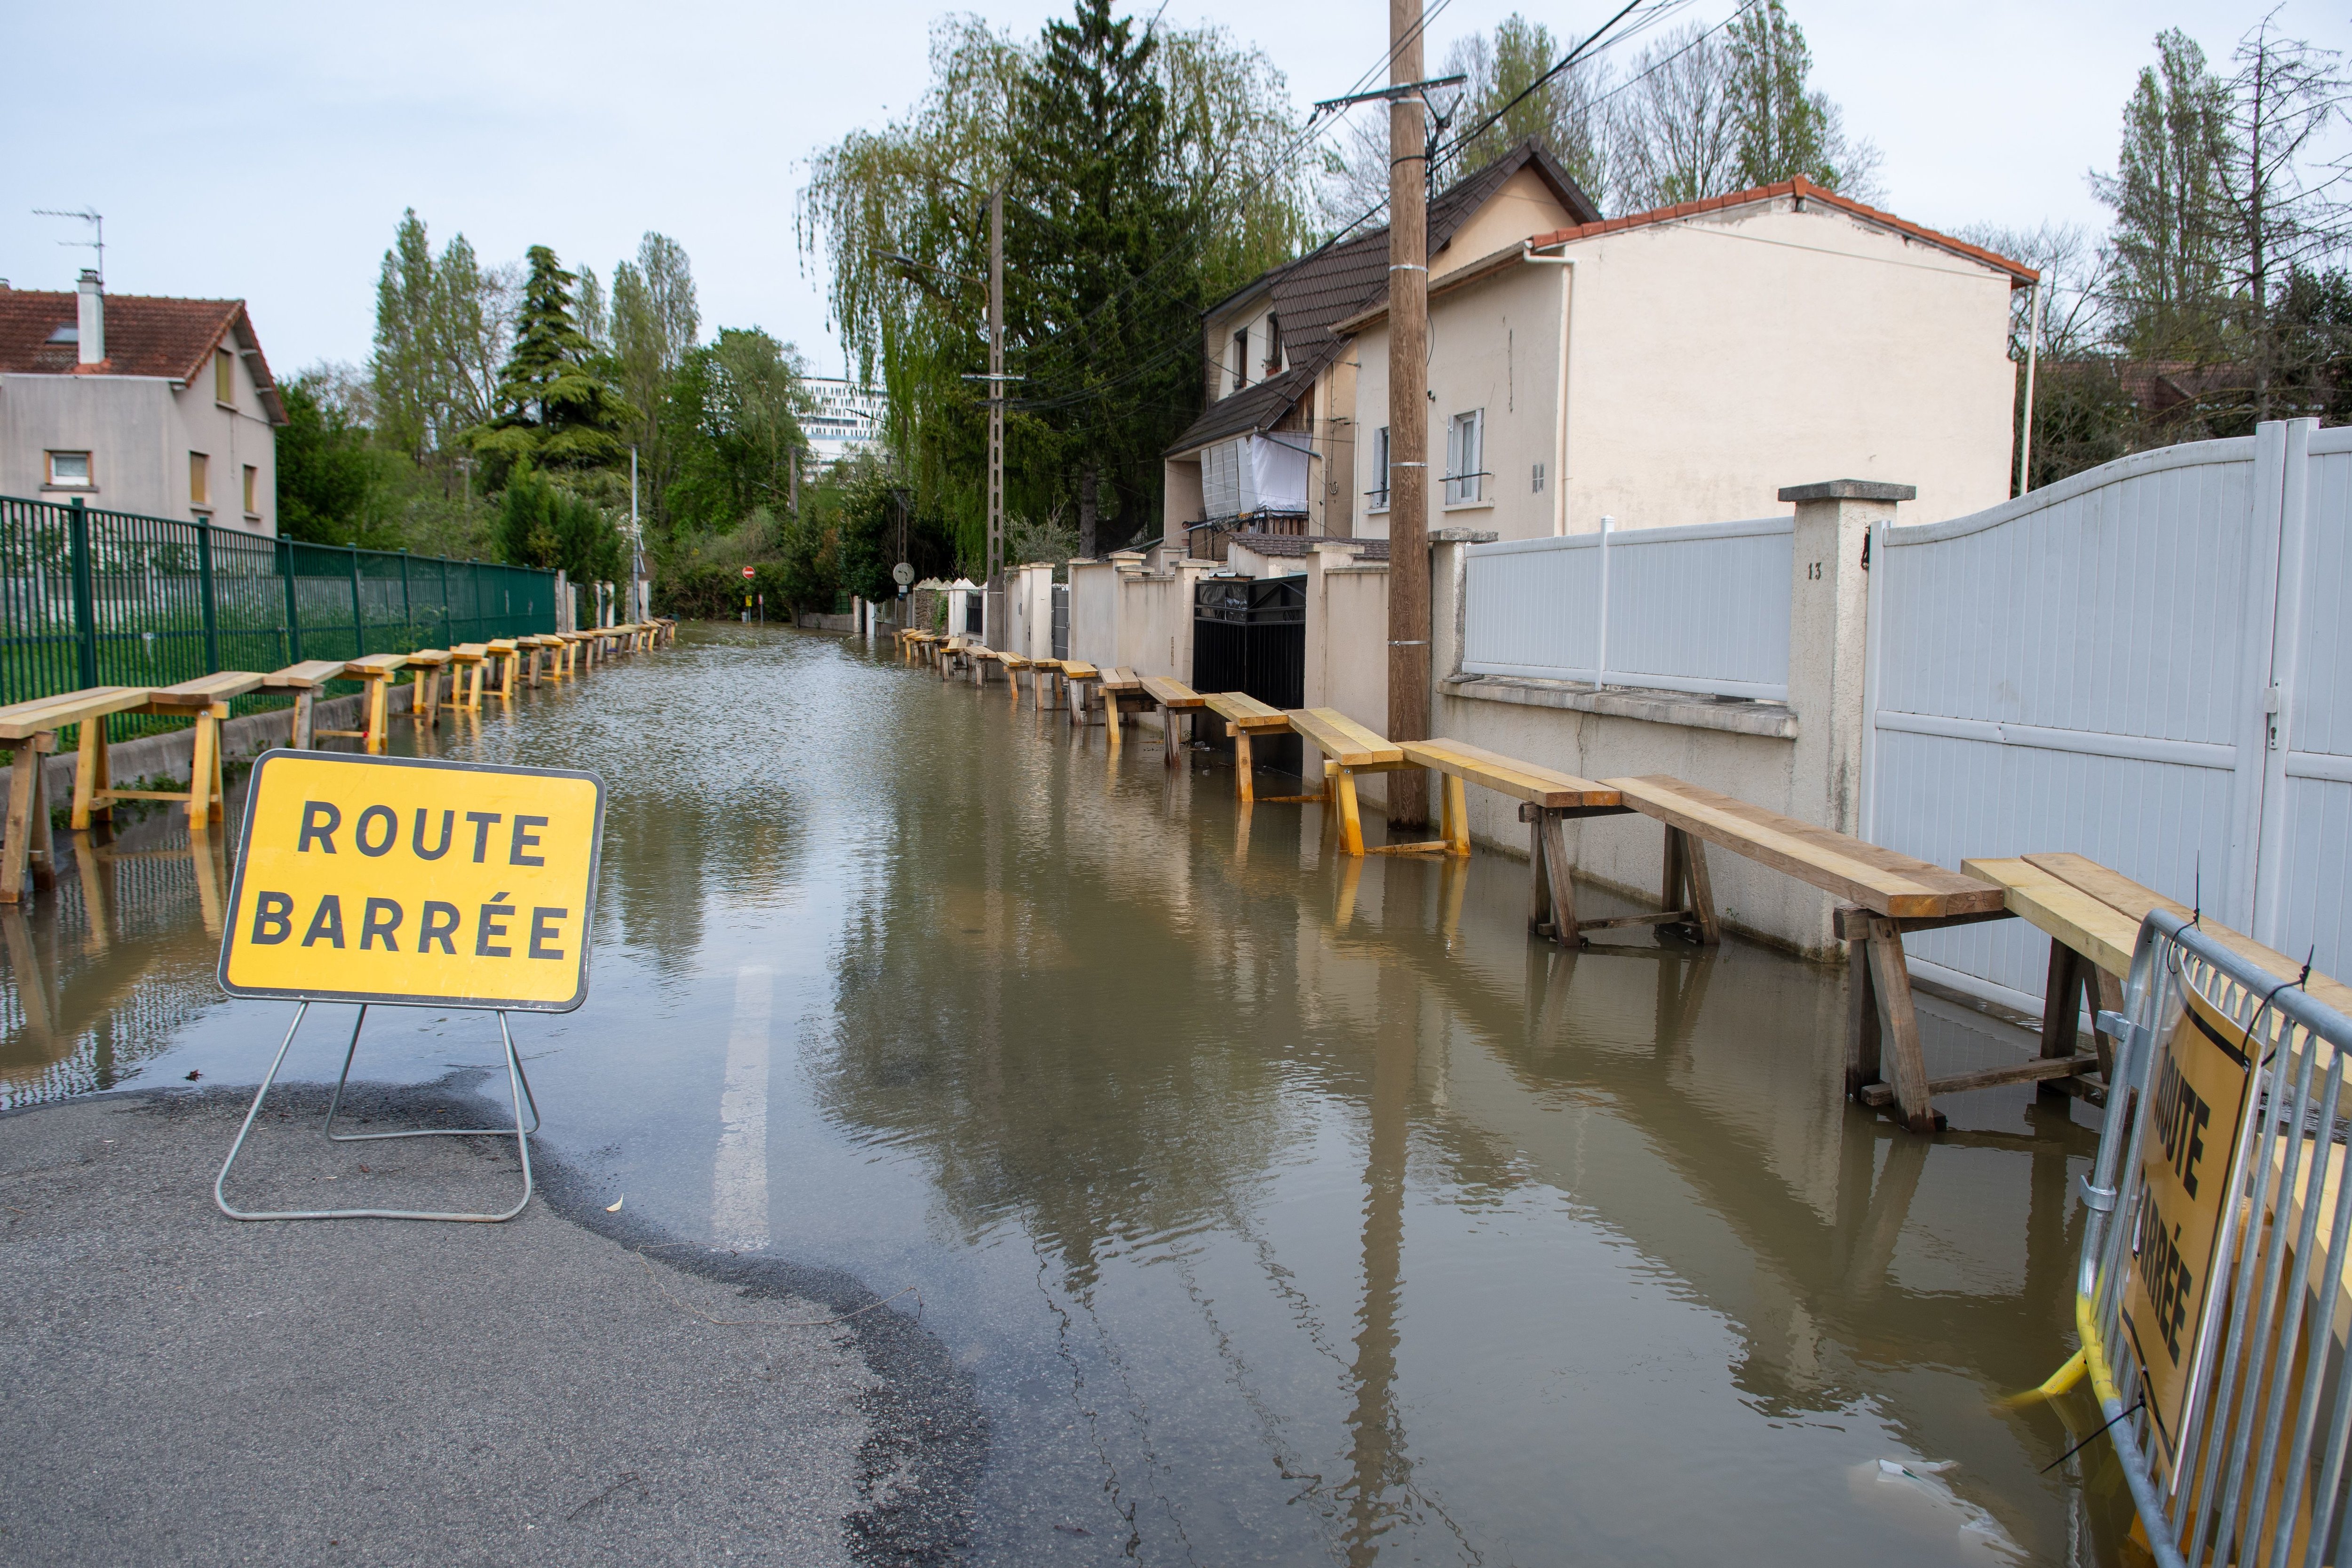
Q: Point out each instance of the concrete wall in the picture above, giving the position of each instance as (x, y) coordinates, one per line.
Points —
(1347, 635)
(1801, 758)
(1029, 611)
(139, 432)
(1155, 616)
(1094, 612)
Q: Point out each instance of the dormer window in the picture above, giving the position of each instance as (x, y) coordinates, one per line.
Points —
(68, 333)
(1241, 359)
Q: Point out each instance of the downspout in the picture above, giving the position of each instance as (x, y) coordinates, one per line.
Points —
(2032, 352)
(1567, 338)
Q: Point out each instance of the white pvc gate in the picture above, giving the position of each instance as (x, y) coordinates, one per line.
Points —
(2146, 664)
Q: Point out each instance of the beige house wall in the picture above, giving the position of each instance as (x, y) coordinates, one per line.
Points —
(138, 431)
(1493, 350)
(1331, 485)
(1715, 358)
(1710, 360)
(1525, 206)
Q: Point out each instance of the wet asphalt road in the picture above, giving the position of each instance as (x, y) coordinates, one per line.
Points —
(183, 1388)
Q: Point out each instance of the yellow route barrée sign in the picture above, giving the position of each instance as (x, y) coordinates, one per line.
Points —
(396, 879)
(2187, 1173)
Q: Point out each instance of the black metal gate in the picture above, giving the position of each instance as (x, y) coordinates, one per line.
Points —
(1061, 620)
(1250, 636)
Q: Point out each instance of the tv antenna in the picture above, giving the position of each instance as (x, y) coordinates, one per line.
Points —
(91, 216)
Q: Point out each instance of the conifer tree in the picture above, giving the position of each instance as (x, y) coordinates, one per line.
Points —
(555, 407)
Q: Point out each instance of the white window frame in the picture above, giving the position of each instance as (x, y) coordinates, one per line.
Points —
(1466, 458)
(1375, 500)
(89, 480)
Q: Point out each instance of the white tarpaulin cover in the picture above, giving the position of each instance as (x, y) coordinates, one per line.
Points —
(1253, 473)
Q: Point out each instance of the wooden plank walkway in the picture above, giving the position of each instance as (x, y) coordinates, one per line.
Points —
(1547, 798)
(1171, 697)
(1246, 717)
(1895, 893)
(1349, 748)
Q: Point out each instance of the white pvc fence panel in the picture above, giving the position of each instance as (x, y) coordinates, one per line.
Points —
(2094, 667)
(2302, 897)
(1702, 609)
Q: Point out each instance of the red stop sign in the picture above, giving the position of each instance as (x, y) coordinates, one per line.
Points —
(746, 572)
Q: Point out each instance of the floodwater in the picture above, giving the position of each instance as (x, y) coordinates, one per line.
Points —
(1280, 1208)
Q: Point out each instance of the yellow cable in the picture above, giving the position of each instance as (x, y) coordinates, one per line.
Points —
(2058, 1383)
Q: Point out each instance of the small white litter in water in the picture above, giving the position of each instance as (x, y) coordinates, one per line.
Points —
(1914, 1493)
(614, 1206)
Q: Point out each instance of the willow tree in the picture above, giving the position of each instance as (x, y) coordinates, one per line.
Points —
(1145, 174)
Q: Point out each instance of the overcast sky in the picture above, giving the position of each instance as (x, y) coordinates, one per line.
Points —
(265, 151)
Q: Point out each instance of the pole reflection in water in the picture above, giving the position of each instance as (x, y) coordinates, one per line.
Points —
(1279, 1204)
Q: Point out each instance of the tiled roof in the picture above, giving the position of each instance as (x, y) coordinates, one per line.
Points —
(1325, 287)
(1801, 189)
(150, 335)
(1253, 408)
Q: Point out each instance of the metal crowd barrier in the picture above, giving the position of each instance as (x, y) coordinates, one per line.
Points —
(2213, 1321)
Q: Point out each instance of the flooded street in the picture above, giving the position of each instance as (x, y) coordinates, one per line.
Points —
(1280, 1208)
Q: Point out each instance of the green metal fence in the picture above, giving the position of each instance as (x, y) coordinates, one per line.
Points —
(109, 598)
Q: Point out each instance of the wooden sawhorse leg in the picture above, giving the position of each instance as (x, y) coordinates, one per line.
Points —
(1454, 817)
(1898, 1025)
(1551, 884)
(2074, 984)
(1245, 765)
(1689, 887)
(1342, 785)
(205, 807)
(27, 844)
(378, 722)
(92, 778)
(1167, 726)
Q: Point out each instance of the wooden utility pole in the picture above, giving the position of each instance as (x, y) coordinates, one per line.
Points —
(1408, 478)
(996, 416)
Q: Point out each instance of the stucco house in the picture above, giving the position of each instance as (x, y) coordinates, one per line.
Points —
(1665, 367)
(137, 404)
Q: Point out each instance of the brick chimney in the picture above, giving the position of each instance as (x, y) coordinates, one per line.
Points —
(92, 317)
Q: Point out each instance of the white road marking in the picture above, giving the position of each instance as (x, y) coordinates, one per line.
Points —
(738, 1184)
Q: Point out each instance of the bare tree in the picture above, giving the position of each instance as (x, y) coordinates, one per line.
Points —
(1676, 127)
(2077, 272)
(2281, 214)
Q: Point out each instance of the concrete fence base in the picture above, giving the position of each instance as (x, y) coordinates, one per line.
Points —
(169, 756)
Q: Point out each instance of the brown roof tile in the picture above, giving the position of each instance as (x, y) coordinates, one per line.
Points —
(150, 335)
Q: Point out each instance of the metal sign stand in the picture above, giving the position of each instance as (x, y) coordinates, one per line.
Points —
(518, 1085)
